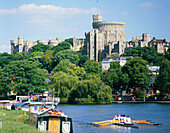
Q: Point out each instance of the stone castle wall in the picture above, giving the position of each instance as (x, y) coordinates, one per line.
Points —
(105, 37)
(22, 45)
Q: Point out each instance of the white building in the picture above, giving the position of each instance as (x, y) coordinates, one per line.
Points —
(106, 62)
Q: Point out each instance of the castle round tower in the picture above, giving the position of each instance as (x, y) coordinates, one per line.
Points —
(114, 30)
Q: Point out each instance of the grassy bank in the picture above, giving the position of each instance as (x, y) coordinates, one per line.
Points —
(13, 122)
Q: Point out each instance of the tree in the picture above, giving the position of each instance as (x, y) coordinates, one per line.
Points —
(162, 81)
(40, 48)
(6, 58)
(47, 60)
(25, 76)
(66, 54)
(4, 87)
(36, 56)
(114, 55)
(83, 59)
(63, 83)
(93, 67)
(70, 40)
(147, 53)
(61, 46)
(90, 90)
(69, 68)
(115, 78)
(137, 72)
(167, 55)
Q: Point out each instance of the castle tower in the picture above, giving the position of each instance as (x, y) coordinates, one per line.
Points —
(20, 43)
(97, 18)
(106, 36)
(146, 37)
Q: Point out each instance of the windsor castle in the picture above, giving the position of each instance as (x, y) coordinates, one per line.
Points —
(106, 37)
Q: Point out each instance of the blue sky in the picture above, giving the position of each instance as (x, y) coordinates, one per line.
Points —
(48, 19)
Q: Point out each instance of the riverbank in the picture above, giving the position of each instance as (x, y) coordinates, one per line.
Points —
(162, 102)
(13, 122)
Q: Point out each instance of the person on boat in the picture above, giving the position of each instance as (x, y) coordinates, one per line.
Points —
(128, 120)
(122, 119)
(119, 118)
(13, 107)
(115, 119)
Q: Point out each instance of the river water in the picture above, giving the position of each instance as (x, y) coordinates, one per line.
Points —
(83, 115)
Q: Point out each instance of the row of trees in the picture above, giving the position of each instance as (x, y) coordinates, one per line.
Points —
(73, 75)
(147, 53)
(134, 74)
(162, 81)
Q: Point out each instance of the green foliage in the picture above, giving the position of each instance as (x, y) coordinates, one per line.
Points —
(63, 83)
(61, 46)
(66, 54)
(6, 58)
(70, 40)
(47, 60)
(69, 68)
(36, 56)
(162, 81)
(89, 90)
(115, 78)
(21, 118)
(138, 72)
(40, 48)
(13, 123)
(142, 94)
(84, 100)
(4, 88)
(167, 55)
(114, 55)
(83, 59)
(25, 76)
(93, 67)
(147, 53)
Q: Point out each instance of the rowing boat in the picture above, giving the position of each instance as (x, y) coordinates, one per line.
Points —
(127, 125)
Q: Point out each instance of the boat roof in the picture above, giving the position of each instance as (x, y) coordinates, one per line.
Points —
(40, 103)
(5, 101)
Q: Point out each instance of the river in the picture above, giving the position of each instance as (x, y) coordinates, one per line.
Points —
(83, 115)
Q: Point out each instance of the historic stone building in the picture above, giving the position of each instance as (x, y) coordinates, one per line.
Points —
(141, 41)
(21, 45)
(161, 45)
(105, 38)
(77, 44)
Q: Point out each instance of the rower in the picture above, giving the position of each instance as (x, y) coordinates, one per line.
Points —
(128, 120)
(119, 118)
(115, 119)
(122, 119)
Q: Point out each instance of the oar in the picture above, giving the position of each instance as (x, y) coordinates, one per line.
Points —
(138, 120)
(108, 123)
(101, 122)
(105, 124)
(144, 122)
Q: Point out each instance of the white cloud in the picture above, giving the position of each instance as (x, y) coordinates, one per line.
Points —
(125, 13)
(27, 9)
(147, 5)
(4, 48)
(44, 14)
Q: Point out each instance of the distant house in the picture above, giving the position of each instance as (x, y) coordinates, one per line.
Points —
(161, 45)
(106, 62)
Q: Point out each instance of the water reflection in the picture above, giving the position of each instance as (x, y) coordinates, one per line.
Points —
(119, 128)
